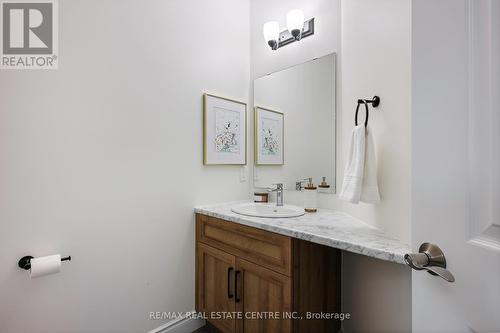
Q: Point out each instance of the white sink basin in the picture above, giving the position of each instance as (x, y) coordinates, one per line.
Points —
(268, 210)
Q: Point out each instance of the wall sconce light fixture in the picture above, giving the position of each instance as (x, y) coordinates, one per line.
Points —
(295, 23)
(272, 34)
(297, 29)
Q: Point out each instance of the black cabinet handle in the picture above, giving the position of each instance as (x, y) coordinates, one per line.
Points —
(229, 294)
(236, 299)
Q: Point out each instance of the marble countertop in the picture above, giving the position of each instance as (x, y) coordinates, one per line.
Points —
(326, 227)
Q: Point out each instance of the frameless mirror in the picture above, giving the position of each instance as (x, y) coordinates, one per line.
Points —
(295, 125)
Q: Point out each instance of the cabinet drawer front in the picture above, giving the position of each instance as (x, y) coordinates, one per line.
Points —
(258, 246)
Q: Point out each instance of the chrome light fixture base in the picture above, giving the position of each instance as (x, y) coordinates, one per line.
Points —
(287, 38)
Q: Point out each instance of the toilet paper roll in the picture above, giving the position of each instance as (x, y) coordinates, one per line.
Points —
(42, 266)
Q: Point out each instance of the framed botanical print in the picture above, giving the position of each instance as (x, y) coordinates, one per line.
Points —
(224, 131)
(269, 133)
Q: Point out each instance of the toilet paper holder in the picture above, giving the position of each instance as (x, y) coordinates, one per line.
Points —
(25, 262)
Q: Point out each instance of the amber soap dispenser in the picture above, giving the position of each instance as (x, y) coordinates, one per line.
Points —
(310, 197)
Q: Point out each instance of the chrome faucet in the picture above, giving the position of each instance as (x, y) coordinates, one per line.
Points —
(279, 193)
(298, 184)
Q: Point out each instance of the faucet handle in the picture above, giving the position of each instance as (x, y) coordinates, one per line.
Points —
(279, 187)
(298, 184)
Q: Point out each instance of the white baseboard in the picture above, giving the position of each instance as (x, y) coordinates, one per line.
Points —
(180, 325)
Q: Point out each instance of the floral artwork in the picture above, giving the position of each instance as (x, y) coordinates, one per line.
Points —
(270, 139)
(269, 134)
(224, 131)
(227, 131)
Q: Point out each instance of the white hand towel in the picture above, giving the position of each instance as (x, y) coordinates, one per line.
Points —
(354, 170)
(369, 190)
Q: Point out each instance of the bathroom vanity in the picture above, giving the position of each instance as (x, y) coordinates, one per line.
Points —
(264, 274)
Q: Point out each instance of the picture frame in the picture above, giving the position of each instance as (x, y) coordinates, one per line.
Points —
(224, 131)
(269, 137)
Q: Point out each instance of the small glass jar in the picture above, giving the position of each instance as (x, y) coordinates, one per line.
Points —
(310, 198)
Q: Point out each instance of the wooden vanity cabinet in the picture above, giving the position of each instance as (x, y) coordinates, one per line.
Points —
(263, 279)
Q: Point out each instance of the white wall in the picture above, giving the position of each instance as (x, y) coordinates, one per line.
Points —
(377, 294)
(376, 60)
(373, 42)
(376, 53)
(102, 160)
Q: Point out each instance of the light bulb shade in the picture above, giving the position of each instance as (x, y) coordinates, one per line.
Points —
(271, 31)
(295, 21)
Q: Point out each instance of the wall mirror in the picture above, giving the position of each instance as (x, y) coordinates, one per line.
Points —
(295, 125)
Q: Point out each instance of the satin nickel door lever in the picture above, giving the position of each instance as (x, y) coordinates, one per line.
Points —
(430, 258)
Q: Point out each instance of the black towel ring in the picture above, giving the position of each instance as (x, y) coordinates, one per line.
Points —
(374, 102)
(367, 113)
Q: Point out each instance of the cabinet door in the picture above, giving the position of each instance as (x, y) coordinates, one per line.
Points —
(261, 292)
(214, 286)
